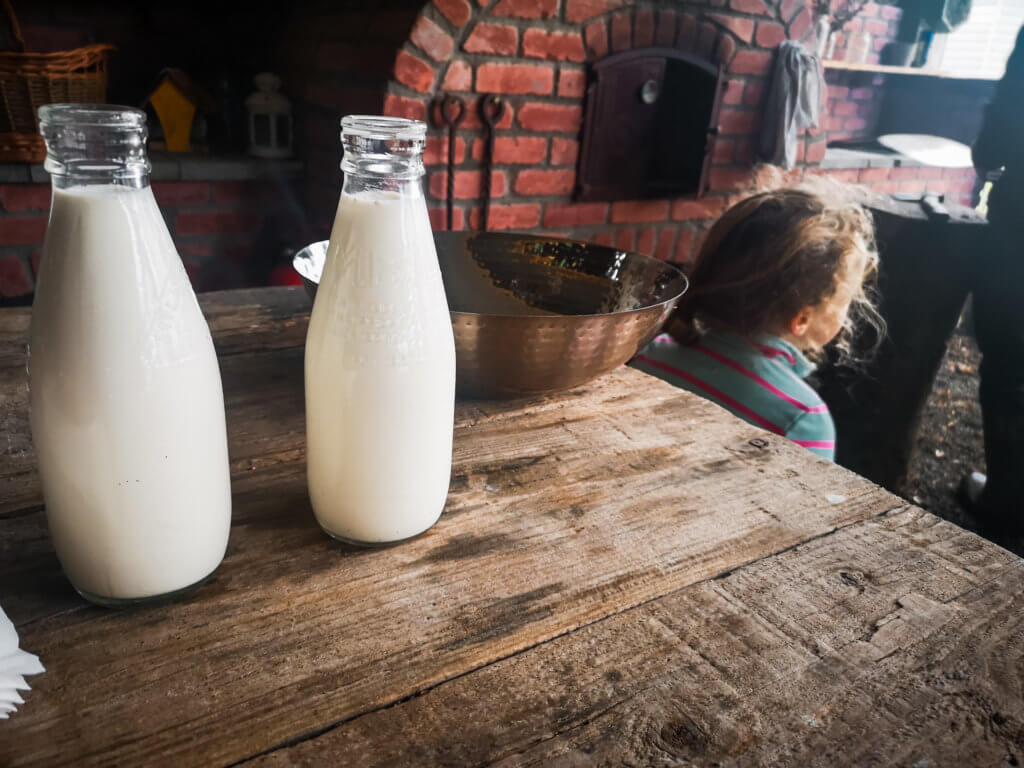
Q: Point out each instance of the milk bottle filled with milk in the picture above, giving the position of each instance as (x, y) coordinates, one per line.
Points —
(127, 408)
(380, 354)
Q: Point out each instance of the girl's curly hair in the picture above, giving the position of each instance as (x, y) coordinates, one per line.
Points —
(775, 253)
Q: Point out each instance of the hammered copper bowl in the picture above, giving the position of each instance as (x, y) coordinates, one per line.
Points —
(534, 314)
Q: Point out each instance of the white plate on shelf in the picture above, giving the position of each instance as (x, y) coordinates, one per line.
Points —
(936, 151)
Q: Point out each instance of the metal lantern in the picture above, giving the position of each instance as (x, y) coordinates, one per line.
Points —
(269, 118)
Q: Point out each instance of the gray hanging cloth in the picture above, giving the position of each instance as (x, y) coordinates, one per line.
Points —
(794, 102)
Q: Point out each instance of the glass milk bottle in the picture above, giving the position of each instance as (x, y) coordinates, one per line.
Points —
(127, 408)
(380, 354)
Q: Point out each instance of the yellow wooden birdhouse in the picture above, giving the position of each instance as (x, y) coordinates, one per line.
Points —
(175, 101)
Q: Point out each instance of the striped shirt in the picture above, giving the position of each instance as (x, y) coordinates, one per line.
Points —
(761, 380)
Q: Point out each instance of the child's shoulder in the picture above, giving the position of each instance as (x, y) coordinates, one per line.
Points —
(767, 363)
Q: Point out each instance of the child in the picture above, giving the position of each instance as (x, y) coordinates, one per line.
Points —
(775, 279)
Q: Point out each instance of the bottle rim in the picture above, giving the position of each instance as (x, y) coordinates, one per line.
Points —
(383, 128)
(100, 115)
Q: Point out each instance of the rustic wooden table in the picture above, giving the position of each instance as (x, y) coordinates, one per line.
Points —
(624, 574)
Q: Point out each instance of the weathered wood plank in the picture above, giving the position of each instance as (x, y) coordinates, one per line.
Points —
(14, 326)
(562, 511)
(894, 641)
(257, 319)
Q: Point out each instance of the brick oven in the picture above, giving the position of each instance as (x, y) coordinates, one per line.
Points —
(537, 56)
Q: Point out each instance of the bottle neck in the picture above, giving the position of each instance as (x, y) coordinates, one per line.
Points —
(69, 180)
(383, 154)
(90, 145)
(356, 183)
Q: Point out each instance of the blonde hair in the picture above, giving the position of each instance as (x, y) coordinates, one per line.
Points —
(776, 252)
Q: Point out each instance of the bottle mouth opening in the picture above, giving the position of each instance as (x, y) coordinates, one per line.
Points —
(98, 115)
(382, 128)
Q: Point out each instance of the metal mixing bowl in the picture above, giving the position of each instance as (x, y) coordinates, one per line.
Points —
(535, 314)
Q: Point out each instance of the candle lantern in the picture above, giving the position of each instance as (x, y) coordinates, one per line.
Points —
(270, 118)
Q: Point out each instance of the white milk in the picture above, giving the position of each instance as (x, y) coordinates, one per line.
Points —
(127, 406)
(380, 375)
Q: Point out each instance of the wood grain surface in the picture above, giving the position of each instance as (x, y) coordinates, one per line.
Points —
(624, 574)
(841, 651)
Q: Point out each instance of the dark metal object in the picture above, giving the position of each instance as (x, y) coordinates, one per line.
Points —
(453, 110)
(492, 109)
(649, 92)
(651, 125)
(534, 315)
(932, 205)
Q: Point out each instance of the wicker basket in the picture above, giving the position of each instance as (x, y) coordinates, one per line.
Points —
(29, 80)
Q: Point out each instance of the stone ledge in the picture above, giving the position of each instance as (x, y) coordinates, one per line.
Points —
(837, 158)
(186, 167)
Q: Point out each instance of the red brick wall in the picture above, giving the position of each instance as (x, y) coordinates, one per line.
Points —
(228, 232)
(881, 22)
(854, 104)
(22, 225)
(855, 98)
(534, 54)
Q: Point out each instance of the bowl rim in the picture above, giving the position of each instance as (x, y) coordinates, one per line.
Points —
(300, 258)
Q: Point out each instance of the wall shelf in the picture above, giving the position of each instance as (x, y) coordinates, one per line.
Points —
(888, 69)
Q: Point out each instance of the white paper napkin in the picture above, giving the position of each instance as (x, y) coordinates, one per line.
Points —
(14, 665)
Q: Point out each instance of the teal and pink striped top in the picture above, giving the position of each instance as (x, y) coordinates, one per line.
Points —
(761, 380)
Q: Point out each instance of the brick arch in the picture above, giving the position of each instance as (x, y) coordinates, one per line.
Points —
(534, 53)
